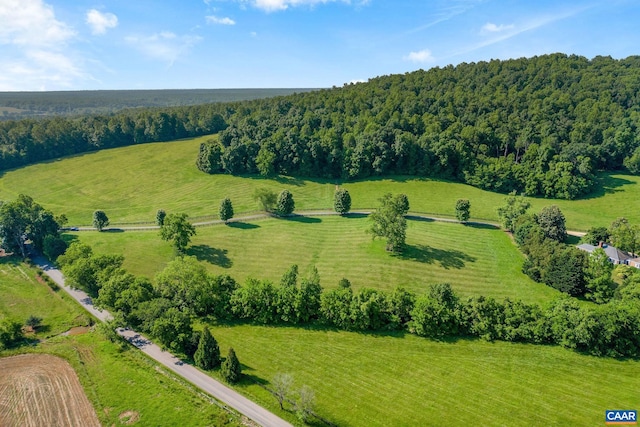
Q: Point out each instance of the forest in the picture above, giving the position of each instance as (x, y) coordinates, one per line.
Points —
(542, 126)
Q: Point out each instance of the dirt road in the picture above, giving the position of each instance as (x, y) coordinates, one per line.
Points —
(207, 384)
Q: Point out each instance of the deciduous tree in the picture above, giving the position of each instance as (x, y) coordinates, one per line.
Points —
(282, 384)
(514, 207)
(388, 221)
(551, 221)
(100, 220)
(178, 230)
(265, 197)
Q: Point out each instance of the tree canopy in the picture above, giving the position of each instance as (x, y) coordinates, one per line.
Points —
(178, 230)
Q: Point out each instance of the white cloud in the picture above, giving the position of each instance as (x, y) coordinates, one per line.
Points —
(420, 56)
(101, 22)
(275, 5)
(490, 27)
(211, 19)
(165, 46)
(31, 23)
(35, 46)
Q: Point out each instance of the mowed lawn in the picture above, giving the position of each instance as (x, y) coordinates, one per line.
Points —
(376, 380)
(475, 260)
(132, 183)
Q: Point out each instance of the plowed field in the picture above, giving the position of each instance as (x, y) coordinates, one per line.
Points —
(42, 390)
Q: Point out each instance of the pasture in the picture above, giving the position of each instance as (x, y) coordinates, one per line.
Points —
(39, 389)
(119, 383)
(402, 380)
(130, 184)
(475, 260)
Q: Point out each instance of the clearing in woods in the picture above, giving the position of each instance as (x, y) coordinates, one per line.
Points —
(39, 389)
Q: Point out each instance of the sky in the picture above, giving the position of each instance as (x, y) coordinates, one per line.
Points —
(161, 44)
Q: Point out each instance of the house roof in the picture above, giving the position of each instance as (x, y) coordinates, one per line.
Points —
(615, 254)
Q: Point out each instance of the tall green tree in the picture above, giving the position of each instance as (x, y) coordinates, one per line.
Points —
(226, 210)
(388, 222)
(624, 236)
(100, 220)
(342, 201)
(207, 356)
(231, 369)
(463, 210)
(285, 204)
(160, 216)
(178, 230)
(552, 222)
(514, 207)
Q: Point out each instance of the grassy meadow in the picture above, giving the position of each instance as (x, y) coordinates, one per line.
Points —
(403, 380)
(132, 183)
(115, 380)
(475, 260)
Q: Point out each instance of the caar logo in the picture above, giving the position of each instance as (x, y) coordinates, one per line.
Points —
(621, 417)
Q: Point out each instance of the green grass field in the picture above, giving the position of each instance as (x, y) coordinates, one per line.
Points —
(132, 183)
(403, 380)
(22, 294)
(114, 380)
(476, 261)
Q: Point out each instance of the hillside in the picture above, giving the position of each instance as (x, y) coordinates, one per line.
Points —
(542, 126)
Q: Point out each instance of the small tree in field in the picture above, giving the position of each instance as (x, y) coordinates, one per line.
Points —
(266, 198)
(282, 384)
(178, 230)
(304, 403)
(285, 204)
(226, 210)
(463, 210)
(100, 220)
(207, 356)
(342, 201)
(160, 216)
(514, 207)
(231, 369)
(388, 221)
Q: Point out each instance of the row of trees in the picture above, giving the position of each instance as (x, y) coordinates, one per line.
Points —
(541, 126)
(166, 307)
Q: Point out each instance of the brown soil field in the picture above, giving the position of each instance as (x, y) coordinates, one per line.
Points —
(42, 390)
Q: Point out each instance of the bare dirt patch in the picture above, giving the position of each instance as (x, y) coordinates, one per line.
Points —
(129, 417)
(42, 390)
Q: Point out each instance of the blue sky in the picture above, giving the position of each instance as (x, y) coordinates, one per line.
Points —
(144, 44)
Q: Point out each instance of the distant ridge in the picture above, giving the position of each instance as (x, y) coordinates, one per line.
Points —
(15, 105)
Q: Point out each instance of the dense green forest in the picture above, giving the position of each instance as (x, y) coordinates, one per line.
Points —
(541, 126)
(16, 105)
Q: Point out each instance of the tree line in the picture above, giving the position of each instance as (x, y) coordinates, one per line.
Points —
(167, 306)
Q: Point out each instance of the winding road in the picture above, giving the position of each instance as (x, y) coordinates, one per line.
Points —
(198, 378)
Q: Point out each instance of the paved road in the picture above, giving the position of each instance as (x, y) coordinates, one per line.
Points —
(186, 371)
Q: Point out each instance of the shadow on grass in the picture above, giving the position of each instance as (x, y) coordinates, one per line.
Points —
(112, 230)
(242, 225)
(419, 218)
(429, 255)
(302, 219)
(572, 240)
(607, 184)
(354, 215)
(482, 226)
(69, 238)
(211, 255)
